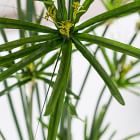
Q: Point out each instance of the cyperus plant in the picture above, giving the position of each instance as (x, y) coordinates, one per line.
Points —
(26, 64)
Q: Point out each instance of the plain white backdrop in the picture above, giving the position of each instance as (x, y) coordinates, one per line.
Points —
(124, 119)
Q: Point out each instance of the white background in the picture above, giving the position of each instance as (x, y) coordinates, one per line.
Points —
(124, 119)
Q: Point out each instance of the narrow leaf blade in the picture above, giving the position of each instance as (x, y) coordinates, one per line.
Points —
(123, 10)
(111, 44)
(20, 24)
(92, 60)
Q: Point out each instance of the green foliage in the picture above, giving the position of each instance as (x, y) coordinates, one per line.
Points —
(26, 62)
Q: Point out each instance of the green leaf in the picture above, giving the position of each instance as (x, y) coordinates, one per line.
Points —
(19, 83)
(103, 131)
(96, 131)
(93, 130)
(46, 80)
(3, 35)
(62, 11)
(7, 65)
(30, 10)
(123, 10)
(91, 28)
(60, 84)
(107, 4)
(39, 19)
(18, 66)
(19, 54)
(49, 62)
(55, 119)
(92, 60)
(43, 124)
(72, 109)
(56, 102)
(21, 24)
(47, 2)
(85, 130)
(70, 10)
(137, 93)
(84, 8)
(13, 44)
(132, 136)
(49, 74)
(70, 92)
(19, 10)
(98, 123)
(133, 76)
(111, 44)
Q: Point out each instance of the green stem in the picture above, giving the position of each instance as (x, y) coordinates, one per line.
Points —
(70, 10)
(20, 16)
(97, 66)
(66, 119)
(13, 113)
(2, 136)
(90, 66)
(26, 116)
(105, 55)
(59, 90)
(112, 135)
(99, 120)
(130, 43)
(48, 89)
(95, 112)
(29, 102)
(132, 136)
(39, 108)
(117, 12)
(9, 97)
(83, 84)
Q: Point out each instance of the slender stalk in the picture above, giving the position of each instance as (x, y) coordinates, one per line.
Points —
(9, 96)
(26, 115)
(48, 89)
(96, 126)
(95, 112)
(112, 135)
(96, 109)
(62, 82)
(66, 119)
(20, 16)
(70, 10)
(134, 37)
(24, 101)
(13, 113)
(69, 136)
(65, 126)
(69, 117)
(103, 50)
(2, 136)
(132, 136)
(83, 84)
(39, 107)
(29, 113)
(30, 104)
(89, 68)
(27, 106)
(124, 56)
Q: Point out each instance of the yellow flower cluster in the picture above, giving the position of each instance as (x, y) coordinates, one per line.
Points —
(76, 9)
(51, 13)
(64, 27)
